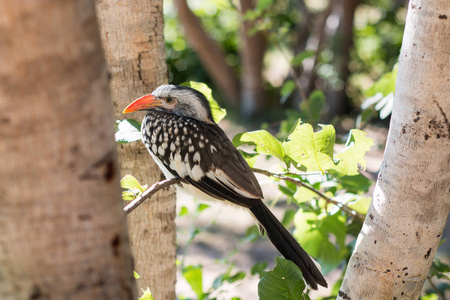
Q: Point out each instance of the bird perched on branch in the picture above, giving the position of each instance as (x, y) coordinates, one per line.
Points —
(186, 143)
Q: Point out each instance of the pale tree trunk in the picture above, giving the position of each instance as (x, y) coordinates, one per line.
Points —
(62, 230)
(252, 55)
(411, 201)
(132, 35)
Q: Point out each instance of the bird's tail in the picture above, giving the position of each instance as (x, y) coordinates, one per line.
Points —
(287, 245)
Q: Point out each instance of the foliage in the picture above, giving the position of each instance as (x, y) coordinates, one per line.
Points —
(380, 98)
(377, 35)
(217, 112)
(285, 282)
(326, 189)
(193, 274)
(127, 131)
(146, 295)
(131, 187)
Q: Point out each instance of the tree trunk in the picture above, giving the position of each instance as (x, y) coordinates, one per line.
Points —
(211, 56)
(62, 230)
(132, 34)
(411, 202)
(252, 54)
(343, 42)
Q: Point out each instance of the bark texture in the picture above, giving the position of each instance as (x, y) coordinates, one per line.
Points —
(62, 230)
(132, 35)
(411, 201)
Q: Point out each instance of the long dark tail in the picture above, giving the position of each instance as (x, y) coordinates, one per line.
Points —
(287, 245)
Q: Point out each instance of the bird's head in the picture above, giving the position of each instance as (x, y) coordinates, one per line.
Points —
(179, 100)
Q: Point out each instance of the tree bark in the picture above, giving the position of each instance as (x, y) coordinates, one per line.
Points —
(252, 55)
(132, 35)
(411, 201)
(62, 229)
(211, 56)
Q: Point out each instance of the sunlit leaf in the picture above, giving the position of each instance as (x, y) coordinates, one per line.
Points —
(313, 233)
(201, 207)
(360, 204)
(285, 282)
(132, 187)
(130, 182)
(303, 194)
(351, 158)
(385, 85)
(183, 211)
(217, 112)
(265, 143)
(128, 131)
(311, 151)
(136, 275)
(147, 295)
(193, 275)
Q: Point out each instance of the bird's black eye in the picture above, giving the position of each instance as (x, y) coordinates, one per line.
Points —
(170, 100)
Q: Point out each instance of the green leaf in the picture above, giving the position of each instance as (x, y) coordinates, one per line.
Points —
(265, 143)
(136, 275)
(303, 195)
(236, 277)
(132, 187)
(385, 85)
(316, 102)
(201, 207)
(250, 158)
(217, 112)
(258, 268)
(285, 282)
(147, 295)
(193, 275)
(287, 88)
(313, 233)
(183, 211)
(264, 4)
(128, 131)
(356, 184)
(299, 58)
(430, 297)
(349, 159)
(288, 217)
(360, 204)
(130, 182)
(309, 150)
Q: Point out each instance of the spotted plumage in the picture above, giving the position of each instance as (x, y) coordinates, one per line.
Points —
(186, 143)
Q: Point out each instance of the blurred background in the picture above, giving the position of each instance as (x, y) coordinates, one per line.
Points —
(269, 63)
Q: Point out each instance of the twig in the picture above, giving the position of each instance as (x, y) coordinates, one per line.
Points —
(435, 288)
(297, 182)
(149, 192)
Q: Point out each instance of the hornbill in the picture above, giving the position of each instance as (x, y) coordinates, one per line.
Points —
(186, 143)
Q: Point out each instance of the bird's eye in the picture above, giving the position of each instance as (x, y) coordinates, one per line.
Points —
(170, 100)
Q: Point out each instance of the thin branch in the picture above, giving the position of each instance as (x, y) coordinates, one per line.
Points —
(435, 288)
(297, 182)
(320, 44)
(149, 192)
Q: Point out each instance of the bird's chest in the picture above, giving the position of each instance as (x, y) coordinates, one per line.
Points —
(177, 145)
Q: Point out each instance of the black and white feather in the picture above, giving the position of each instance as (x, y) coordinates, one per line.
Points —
(186, 143)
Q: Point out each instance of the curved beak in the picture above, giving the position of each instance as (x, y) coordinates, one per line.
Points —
(145, 102)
